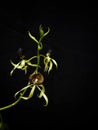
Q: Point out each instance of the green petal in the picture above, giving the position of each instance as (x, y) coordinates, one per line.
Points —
(42, 91)
(50, 66)
(44, 96)
(33, 65)
(32, 37)
(31, 93)
(22, 64)
(44, 35)
(47, 32)
(55, 62)
(47, 60)
(31, 58)
(19, 65)
(15, 66)
(46, 68)
(28, 86)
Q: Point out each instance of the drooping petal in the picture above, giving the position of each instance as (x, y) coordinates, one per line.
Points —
(46, 68)
(54, 61)
(28, 86)
(43, 95)
(25, 69)
(42, 90)
(30, 94)
(47, 60)
(50, 66)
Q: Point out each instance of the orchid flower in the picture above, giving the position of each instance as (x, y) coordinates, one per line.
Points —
(35, 82)
(23, 65)
(48, 62)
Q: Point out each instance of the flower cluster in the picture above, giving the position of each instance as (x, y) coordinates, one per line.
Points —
(36, 79)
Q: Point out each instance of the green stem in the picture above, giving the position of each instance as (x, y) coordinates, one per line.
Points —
(14, 103)
(38, 58)
(39, 47)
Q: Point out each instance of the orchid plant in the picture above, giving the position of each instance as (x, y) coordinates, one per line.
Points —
(35, 79)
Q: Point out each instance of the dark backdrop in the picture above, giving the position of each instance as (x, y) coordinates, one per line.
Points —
(71, 89)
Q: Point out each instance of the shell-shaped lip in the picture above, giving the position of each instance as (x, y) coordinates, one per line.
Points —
(36, 78)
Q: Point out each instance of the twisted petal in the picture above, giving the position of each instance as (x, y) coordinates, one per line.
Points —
(46, 32)
(33, 65)
(42, 33)
(46, 68)
(28, 86)
(42, 93)
(47, 60)
(32, 37)
(22, 65)
(31, 58)
(15, 66)
(49, 63)
(30, 94)
(42, 90)
(50, 66)
(25, 69)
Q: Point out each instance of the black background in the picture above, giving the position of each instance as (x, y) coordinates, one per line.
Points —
(71, 89)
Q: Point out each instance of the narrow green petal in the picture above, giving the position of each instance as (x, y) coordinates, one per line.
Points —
(28, 86)
(32, 37)
(50, 66)
(25, 69)
(18, 66)
(46, 99)
(31, 58)
(55, 62)
(11, 72)
(15, 66)
(42, 91)
(31, 93)
(46, 68)
(33, 65)
(13, 63)
(47, 32)
(44, 95)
